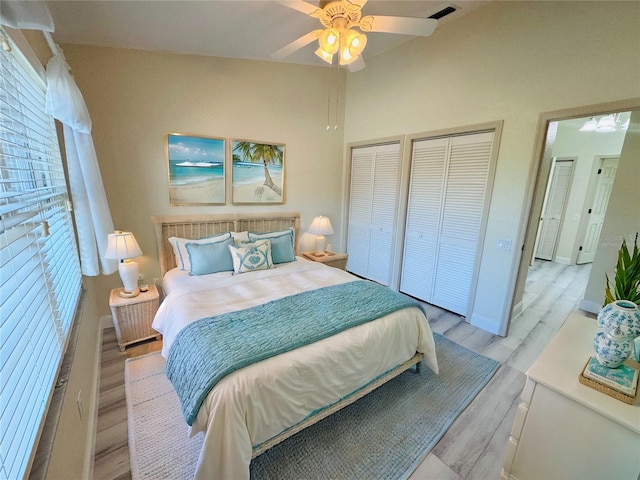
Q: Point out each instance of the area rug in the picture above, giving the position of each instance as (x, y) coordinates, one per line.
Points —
(384, 435)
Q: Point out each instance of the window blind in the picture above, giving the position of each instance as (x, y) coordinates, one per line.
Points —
(40, 278)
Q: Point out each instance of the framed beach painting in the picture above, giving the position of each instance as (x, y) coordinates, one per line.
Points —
(196, 169)
(257, 172)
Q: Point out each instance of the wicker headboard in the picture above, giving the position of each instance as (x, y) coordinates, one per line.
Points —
(199, 226)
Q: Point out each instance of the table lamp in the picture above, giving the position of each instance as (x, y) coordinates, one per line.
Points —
(123, 246)
(320, 227)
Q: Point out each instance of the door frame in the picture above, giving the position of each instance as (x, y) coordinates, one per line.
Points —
(536, 186)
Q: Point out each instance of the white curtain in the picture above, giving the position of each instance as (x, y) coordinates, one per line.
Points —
(93, 218)
(65, 103)
(32, 15)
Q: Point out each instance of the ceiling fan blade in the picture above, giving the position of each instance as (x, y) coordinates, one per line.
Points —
(422, 27)
(360, 3)
(303, 41)
(357, 64)
(299, 5)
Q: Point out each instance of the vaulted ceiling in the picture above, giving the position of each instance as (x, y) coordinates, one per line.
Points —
(234, 28)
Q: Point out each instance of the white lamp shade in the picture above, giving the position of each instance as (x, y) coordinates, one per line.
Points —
(321, 226)
(122, 245)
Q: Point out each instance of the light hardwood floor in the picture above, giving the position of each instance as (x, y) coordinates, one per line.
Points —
(473, 447)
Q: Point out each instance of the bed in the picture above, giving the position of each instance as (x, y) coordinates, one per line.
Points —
(257, 405)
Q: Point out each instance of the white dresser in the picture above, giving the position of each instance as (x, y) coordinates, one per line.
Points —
(566, 430)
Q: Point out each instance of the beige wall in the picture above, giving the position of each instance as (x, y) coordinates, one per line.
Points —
(136, 97)
(505, 61)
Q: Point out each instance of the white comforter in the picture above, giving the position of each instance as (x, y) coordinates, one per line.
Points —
(258, 402)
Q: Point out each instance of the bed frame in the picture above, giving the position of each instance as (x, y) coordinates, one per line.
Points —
(194, 227)
(199, 226)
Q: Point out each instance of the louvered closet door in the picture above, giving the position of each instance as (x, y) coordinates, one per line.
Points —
(383, 211)
(373, 205)
(360, 210)
(423, 217)
(465, 188)
(444, 218)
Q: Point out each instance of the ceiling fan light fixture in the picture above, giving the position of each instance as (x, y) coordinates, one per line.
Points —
(327, 57)
(590, 125)
(606, 124)
(329, 40)
(346, 57)
(356, 42)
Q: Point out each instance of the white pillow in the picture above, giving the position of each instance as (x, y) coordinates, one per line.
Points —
(251, 257)
(240, 237)
(180, 250)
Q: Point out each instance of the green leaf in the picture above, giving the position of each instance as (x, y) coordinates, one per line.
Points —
(626, 282)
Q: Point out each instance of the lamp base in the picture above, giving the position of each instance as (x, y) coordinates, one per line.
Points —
(124, 294)
(128, 270)
(321, 244)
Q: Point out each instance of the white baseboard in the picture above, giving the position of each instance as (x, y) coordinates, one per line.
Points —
(589, 306)
(484, 323)
(92, 426)
(562, 260)
(517, 310)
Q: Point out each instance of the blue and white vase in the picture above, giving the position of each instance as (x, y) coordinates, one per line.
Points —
(623, 315)
(612, 347)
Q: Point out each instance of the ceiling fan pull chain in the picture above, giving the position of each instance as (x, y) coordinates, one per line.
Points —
(328, 100)
(337, 94)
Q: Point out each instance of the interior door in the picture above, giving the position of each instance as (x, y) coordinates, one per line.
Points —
(462, 211)
(553, 208)
(605, 175)
(447, 191)
(424, 209)
(372, 210)
(383, 212)
(360, 210)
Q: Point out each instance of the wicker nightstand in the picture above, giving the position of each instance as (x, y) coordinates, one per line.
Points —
(132, 317)
(332, 259)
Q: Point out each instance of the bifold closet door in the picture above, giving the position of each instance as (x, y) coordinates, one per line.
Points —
(444, 218)
(372, 210)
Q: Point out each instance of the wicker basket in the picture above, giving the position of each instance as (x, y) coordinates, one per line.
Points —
(132, 317)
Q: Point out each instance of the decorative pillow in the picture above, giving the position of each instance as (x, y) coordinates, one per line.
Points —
(180, 251)
(251, 258)
(208, 258)
(282, 243)
(240, 237)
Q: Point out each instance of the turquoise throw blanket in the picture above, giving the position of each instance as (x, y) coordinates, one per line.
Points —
(207, 350)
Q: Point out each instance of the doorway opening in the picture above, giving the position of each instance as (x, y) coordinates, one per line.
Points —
(577, 169)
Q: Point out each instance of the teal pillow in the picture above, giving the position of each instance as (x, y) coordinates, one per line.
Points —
(282, 250)
(208, 258)
(180, 251)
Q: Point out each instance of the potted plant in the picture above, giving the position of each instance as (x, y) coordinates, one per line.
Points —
(626, 285)
(619, 319)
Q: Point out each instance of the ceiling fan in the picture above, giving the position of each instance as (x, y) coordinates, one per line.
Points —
(339, 18)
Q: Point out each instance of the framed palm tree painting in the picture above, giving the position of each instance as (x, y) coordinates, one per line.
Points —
(257, 173)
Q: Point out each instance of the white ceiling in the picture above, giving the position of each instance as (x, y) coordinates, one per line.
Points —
(244, 29)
